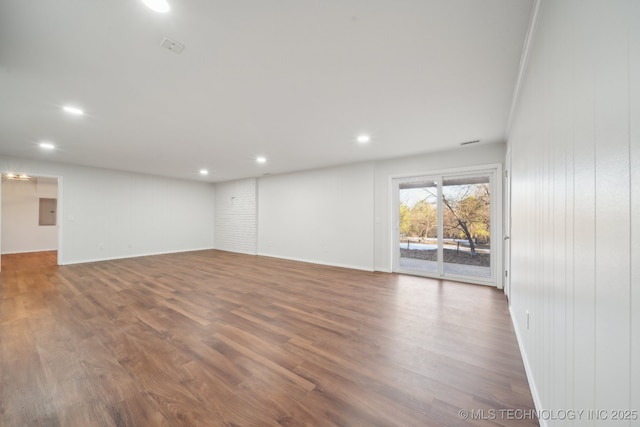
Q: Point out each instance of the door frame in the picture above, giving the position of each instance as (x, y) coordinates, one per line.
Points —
(506, 236)
(497, 233)
(59, 219)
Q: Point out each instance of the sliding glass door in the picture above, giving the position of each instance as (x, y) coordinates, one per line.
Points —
(418, 225)
(444, 226)
(466, 206)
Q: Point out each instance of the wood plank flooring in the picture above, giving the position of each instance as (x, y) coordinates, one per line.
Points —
(212, 338)
(29, 261)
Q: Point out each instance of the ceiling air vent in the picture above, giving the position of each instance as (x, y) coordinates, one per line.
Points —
(173, 46)
(470, 142)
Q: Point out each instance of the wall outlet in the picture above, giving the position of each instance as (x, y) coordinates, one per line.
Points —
(100, 245)
(129, 245)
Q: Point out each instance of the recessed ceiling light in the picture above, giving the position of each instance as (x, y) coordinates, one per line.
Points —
(73, 110)
(363, 139)
(261, 159)
(204, 172)
(47, 145)
(160, 6)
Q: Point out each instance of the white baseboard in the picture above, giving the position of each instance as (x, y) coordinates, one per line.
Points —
(350, 266)
(527, 368)
(29, 251)
(83, 261)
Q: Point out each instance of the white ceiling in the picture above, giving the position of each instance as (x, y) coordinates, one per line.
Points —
(293, 80)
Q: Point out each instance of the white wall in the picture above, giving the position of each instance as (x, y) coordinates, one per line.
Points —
(336, 216)
(236, 216)
(20, 214)
(128, 214)
(575, 147)
(419, 165)
(323, 216)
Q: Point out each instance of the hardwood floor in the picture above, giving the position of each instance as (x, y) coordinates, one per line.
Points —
(29, 261)
(213, 338)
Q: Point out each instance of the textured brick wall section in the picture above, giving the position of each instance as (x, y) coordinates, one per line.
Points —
(236, 216)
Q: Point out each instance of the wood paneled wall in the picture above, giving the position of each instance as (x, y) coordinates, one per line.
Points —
(575, 143)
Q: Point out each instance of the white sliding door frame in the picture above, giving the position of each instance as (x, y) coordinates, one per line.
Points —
(494, 172)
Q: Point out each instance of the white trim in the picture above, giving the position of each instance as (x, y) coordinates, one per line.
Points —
(466, 169)
(495, 171)
(235, 251)
(524, 60)
(393, 205)
(308, 261)
(59, 219)
(506, 226)
(29, 251)
(440, 216)
(135, 256)
(256, 217)
(374, 228)
(497, 231)
(449, 277)
(527, 368)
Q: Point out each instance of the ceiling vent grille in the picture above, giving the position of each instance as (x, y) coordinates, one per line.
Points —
(171, 45)
(470, 142)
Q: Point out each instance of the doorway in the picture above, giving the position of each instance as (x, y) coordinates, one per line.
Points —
(445, 224)
(30, 233)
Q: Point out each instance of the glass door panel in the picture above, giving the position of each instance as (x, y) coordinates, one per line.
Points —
(466, 217)
(418, 226)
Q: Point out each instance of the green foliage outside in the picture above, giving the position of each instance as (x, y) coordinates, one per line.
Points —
(420, 220)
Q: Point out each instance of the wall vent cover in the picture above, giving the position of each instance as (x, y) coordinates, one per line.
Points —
(171, 45)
